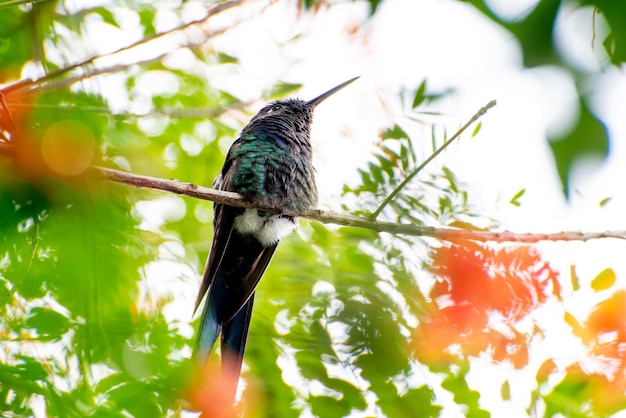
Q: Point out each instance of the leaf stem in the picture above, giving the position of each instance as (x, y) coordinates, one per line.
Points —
(413, 173)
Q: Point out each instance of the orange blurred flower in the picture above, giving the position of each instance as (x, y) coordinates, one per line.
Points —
(609, 316)
(479, 287)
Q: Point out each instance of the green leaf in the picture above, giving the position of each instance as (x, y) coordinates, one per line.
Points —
(374, 6)
(419, 94)
(16, 46)
(615, 14)
(395, 133)
(421, 399)
(589, 138)
(351, 397)
(110, 382)
(224, 58)
(505, 391)
(107, 15)
(31, 369)
(534, 33)
(385, 164)
(146, 18)
(457, 384)
(515, 199)
(50, 325)
(477, 129)
(451, 178)
(377, 173)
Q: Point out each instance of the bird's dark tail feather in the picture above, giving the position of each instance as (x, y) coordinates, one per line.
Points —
(234, 336)
(208, 331)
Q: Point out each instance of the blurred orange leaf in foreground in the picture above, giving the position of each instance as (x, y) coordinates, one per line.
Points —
(211, 394)
(482, 292)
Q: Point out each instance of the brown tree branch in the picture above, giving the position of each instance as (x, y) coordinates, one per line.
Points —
(329, 217)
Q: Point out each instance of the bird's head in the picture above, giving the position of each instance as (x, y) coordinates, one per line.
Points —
(298, 112)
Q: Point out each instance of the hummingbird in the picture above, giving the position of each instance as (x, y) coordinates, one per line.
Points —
(270, 164)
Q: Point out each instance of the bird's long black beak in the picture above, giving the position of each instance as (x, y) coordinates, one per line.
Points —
(319, 99)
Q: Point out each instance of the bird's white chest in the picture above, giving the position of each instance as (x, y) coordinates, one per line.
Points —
(266, 227)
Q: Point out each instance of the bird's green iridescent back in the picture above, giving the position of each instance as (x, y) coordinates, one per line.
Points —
(269, 170)
(253, 152)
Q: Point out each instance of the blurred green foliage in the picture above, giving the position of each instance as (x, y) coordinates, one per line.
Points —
(534, 31)
(336, 325)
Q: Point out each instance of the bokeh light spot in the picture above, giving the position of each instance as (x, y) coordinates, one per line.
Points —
(68, 147)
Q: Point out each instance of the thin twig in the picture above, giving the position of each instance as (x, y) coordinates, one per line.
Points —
(185, 113)
(32, 84)
(12, 3)
(329, 217)
(413, 173)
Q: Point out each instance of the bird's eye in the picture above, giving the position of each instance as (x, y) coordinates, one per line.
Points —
(276, 108)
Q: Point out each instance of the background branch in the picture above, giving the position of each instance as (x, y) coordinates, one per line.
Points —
(32, 85)
(330, 217)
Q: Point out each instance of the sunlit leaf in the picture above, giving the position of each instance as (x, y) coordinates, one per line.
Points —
(449, 175)
(608, 315)
(505, 391)
(29, 368)
(604, 280)
(224, 58)
(394, 133)
(547, 367)
(457, 384)
(604, 397)
(50, 325)
(515, 199)
(15, 42)
(107, 15)
(419, 94)
(465, 225)
(576, 326)
(477, 129)
(574, 278)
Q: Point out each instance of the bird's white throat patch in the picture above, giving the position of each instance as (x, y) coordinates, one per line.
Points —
(266, 227)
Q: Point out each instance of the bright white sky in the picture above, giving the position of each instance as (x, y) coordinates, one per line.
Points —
(452, 46)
